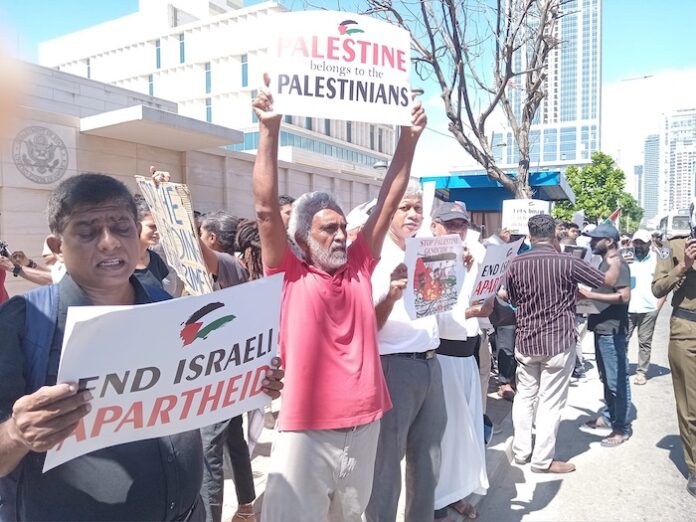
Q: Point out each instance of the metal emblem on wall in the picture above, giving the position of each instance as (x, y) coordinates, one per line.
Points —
(40, 154)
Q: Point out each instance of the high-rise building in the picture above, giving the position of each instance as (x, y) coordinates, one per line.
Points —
(678, 160)
(207, 56)
(566, 128)
(651, 176)
(638, 184)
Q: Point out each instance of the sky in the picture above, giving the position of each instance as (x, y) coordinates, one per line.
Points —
(640, 38)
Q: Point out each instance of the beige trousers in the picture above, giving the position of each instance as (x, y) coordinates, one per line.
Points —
(543, 382)
(321, 475)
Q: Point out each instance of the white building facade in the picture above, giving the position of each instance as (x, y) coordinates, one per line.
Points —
(208, 56)
(678, 160)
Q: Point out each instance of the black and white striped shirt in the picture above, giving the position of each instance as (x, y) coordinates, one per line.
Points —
(542, 284)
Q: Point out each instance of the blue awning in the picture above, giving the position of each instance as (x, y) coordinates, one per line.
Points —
(482, 194)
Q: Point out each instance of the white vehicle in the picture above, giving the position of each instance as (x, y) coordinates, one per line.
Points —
(675, 224)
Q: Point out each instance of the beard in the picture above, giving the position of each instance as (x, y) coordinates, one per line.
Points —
(599, 249)
(328, 259)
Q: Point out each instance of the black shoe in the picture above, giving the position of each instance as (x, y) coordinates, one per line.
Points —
(691, 484)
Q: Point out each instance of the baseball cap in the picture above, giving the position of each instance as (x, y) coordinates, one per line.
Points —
(603, 230)
(642, 235)
(449, 211)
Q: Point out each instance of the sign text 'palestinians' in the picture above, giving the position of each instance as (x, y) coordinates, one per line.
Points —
(435, 270)
(516, 213)
(170, 205)
(340, 65)
(200, 360)
(493, 269)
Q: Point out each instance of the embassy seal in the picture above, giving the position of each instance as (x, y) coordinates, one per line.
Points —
(40, 155)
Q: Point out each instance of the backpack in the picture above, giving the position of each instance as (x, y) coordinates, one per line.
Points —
(39, 327)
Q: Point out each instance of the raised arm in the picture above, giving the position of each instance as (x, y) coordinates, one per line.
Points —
(395, 182)
(265, 181)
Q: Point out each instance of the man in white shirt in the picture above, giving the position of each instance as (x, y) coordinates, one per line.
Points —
(463, 469)
(414, 426)
(644, 307)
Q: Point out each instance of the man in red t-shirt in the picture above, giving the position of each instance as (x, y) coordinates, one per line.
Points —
(3, 293)
(323, 458)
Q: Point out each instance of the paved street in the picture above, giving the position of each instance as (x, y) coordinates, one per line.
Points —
(641, 480)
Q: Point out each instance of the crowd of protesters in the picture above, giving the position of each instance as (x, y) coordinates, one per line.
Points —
(363, 386)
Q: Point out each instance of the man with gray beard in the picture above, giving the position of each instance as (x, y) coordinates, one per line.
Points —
(323, 457)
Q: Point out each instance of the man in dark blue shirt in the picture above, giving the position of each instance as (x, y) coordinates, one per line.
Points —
(93, 225)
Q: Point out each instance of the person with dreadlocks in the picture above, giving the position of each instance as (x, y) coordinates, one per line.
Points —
(249, 245)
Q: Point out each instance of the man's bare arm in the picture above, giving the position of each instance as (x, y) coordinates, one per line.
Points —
(265, 181)
(395, 182)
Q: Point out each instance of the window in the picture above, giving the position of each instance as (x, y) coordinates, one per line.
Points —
(182, 48)
(150, 85)
(308, 123)
(372, 137)
(158, 54)
(245, 70)
(89, 69)
(207, 78)
(208, 110)
(288, 119)
(379, 140)
(349, 131)
(327, 127)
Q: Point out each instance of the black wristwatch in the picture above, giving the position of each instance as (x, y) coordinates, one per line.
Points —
(16, 270)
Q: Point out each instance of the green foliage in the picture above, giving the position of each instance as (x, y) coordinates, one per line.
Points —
(599, 190)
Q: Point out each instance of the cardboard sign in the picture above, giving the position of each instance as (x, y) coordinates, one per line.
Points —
(169, 367)
(345, 66)
(170, 204)
(516, 213)
(435, 274)
(492, 270)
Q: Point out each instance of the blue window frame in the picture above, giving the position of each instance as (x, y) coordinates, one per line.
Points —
(245, 70)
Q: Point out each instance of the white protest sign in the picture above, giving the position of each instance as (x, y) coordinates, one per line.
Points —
(492, 270)
(516, 213)
(170, 204)
(331, 64)
(435, 274)
(169, 367)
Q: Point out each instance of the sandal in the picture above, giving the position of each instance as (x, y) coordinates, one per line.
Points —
(613, 440)
(465, 509)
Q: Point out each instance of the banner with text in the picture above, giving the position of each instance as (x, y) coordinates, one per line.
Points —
(492, 270)
(169, 367)
(170, 204)
(516, 213)
(435, 274)
(331, 64)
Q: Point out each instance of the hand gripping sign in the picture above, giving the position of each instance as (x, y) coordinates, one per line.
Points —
(200, 360)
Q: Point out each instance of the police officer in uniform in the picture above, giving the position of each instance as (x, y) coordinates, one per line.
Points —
(676, 272)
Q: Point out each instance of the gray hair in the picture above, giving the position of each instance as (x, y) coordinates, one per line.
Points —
(413, 189)
(303, 211)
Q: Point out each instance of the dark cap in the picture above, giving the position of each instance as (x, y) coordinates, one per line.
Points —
(451, 211)
(604, 230)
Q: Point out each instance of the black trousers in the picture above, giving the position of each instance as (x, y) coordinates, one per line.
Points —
(505, 343)
(216, 437)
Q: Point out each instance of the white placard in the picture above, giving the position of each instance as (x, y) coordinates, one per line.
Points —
(516, 213)
(428, 205)
(169, 367)
(492, 270)
(435, 274)
(345, 66)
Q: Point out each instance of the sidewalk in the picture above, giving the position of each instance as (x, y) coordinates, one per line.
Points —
(498, 457)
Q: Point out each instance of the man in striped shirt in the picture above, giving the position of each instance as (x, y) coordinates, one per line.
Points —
(542, 284)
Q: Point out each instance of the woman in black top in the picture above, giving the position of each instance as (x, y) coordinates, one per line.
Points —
(151, 269)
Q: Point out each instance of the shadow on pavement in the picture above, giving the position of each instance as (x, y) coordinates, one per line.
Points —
(672, 443)
(654, 370)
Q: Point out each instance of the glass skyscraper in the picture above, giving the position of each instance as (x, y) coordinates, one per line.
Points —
(651, 176)
(566, 128)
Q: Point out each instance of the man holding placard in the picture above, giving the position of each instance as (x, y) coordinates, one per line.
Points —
(93, 226)
(542, 284)
(323, 457)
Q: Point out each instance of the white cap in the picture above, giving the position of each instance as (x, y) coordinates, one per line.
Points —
(642, 235)
(357, 217)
